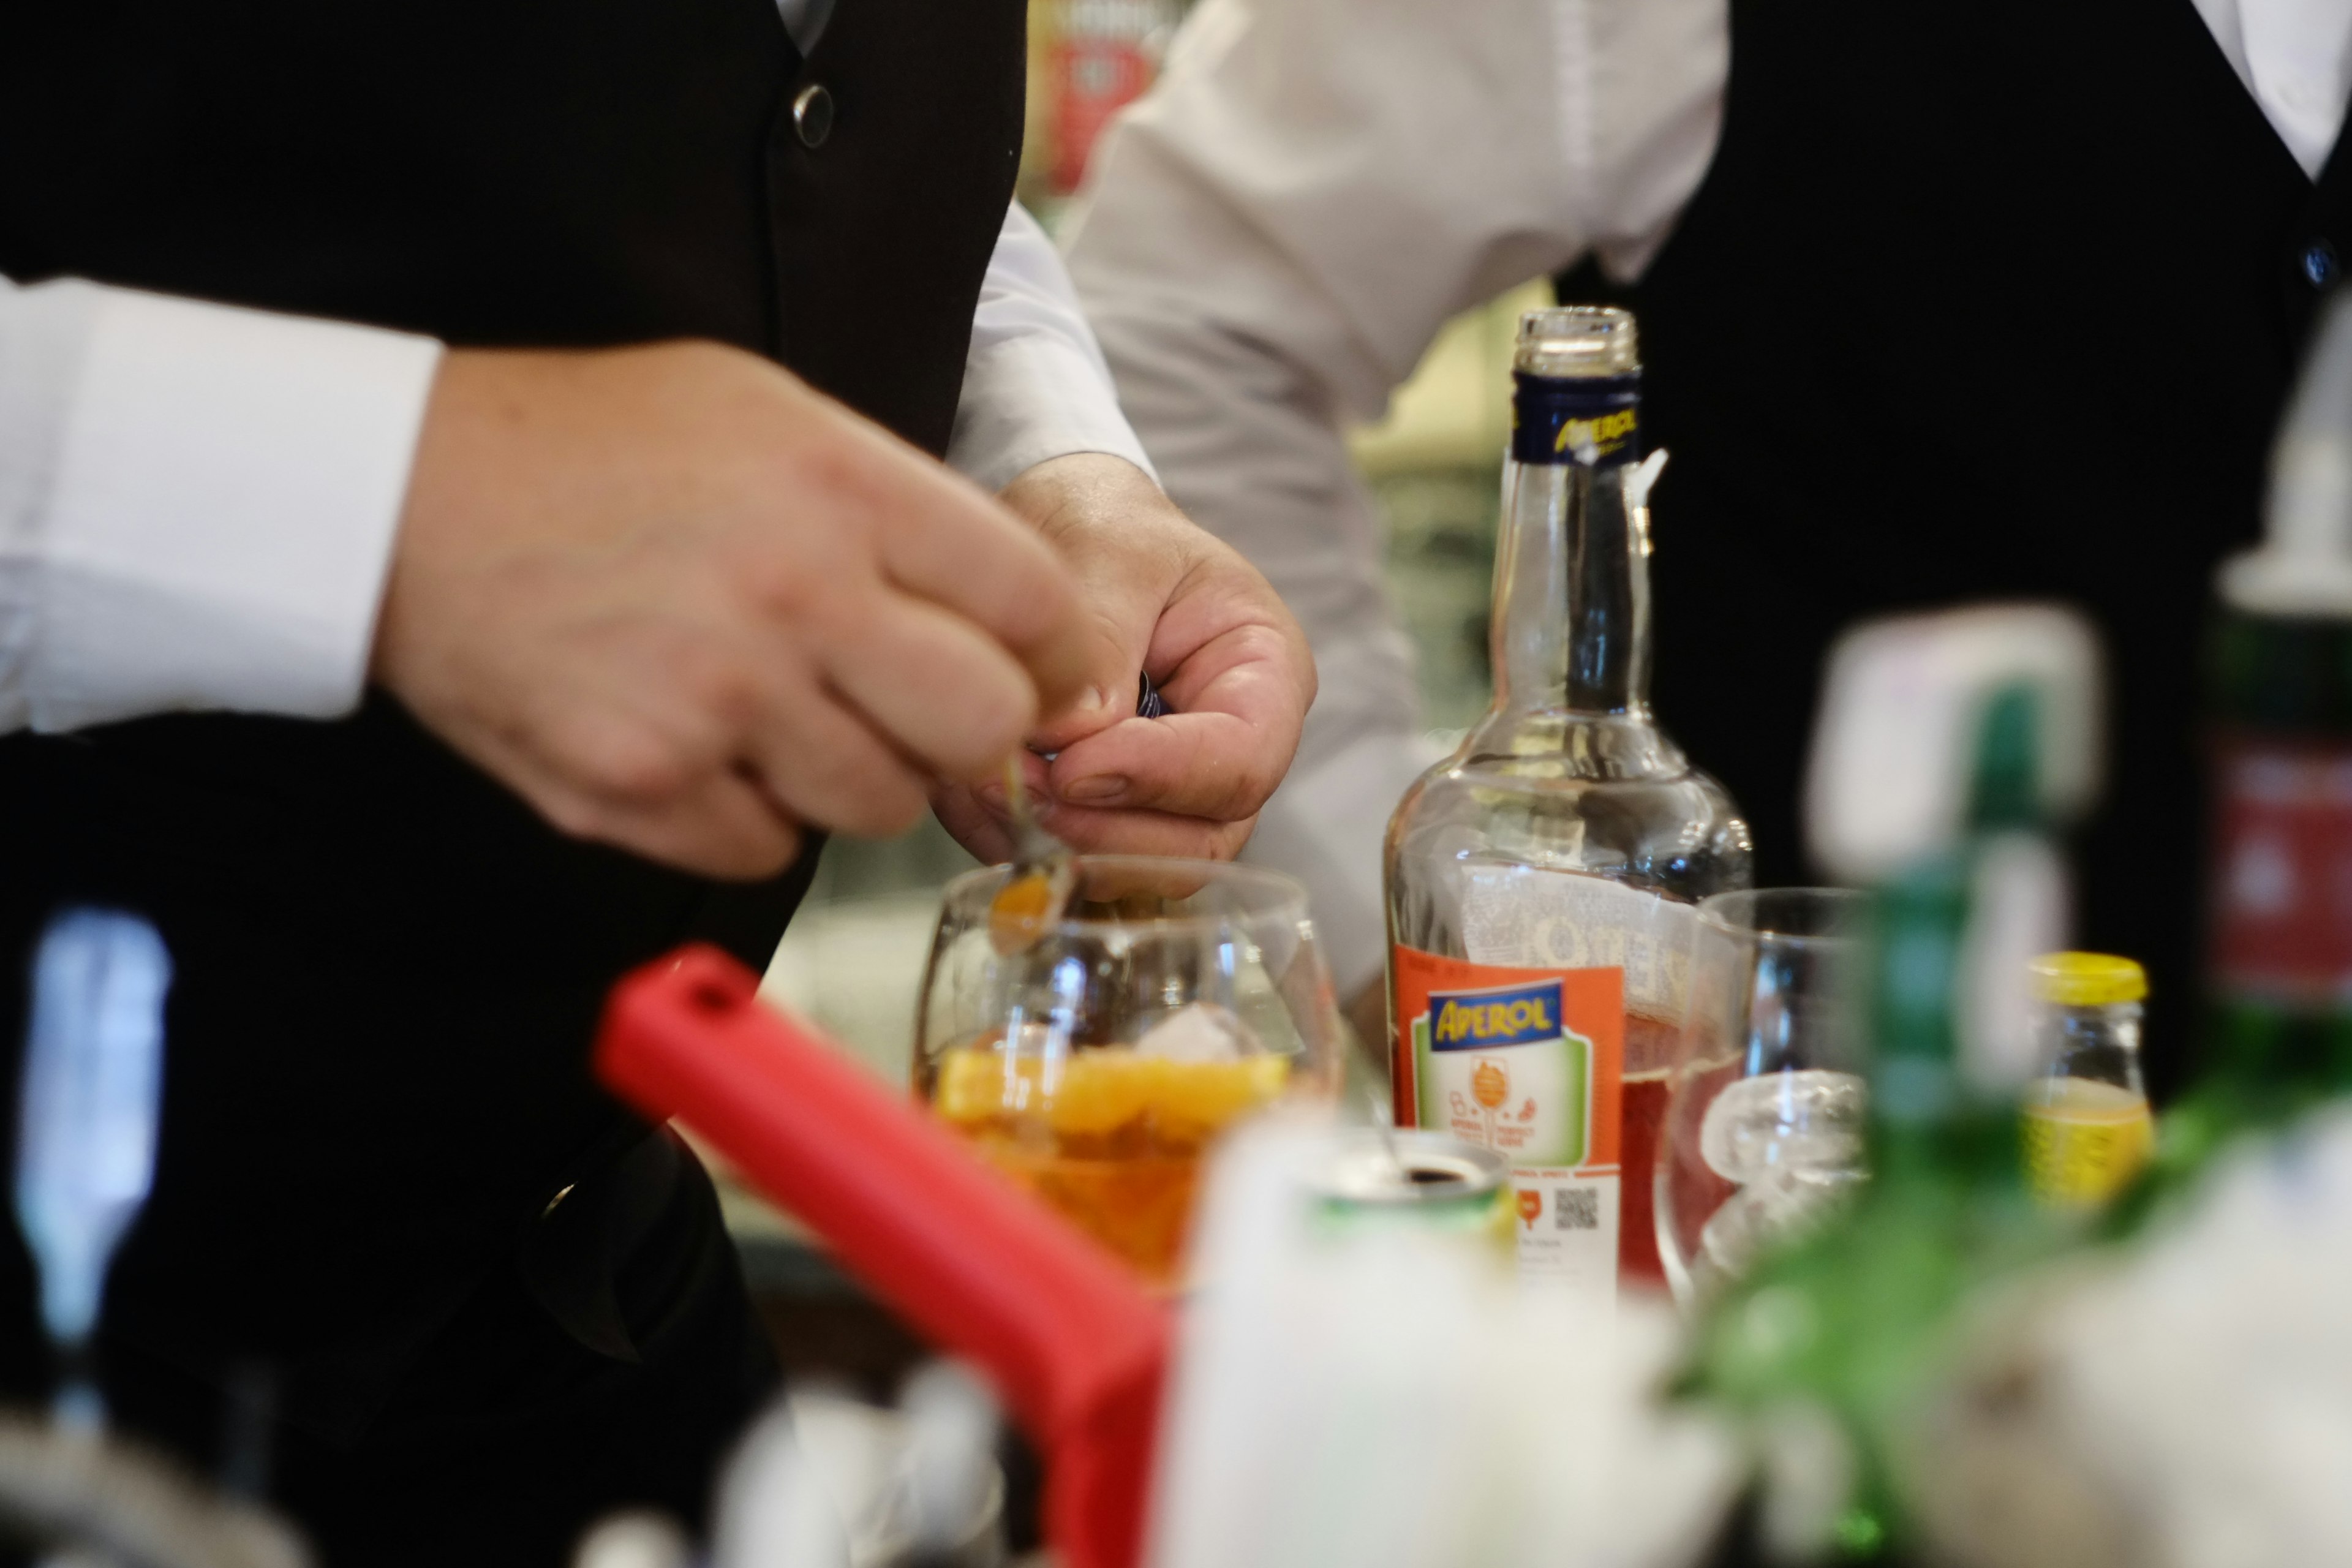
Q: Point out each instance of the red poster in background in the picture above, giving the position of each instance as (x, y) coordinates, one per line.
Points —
(2282, 894)
(1094, 79)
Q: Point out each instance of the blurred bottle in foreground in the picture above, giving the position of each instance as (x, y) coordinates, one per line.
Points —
(2085, 1123)
(88, 1111)
(2279, 960)
(1541, 879)
(1950, 748)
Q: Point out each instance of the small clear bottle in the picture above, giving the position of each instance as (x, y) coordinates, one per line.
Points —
(1541, 880)
(2086, 1130)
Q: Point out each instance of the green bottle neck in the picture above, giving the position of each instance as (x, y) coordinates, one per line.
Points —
(1919, 1096)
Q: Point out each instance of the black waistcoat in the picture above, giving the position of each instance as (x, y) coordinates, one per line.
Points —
(388, 970)
(1979, 299)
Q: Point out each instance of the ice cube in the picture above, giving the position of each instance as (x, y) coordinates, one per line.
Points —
(1806, 1119)
(1781, 1207)
(1200, 1033)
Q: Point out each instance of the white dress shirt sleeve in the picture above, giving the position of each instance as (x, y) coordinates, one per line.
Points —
(197, 503)
(1272, 238)
(1035, 384)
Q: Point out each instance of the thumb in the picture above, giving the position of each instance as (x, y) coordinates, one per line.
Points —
(1102, 703)
(1110, 684)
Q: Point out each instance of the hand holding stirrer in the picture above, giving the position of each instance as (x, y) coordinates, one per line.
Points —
(1045, 873)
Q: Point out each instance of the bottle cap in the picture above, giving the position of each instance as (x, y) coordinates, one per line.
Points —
(2304, 564)
(1576, 341)
(2087, 979)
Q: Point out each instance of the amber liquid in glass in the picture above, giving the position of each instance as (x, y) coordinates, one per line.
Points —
(1109, 1139)
(1646, 1088)
(1643, 1123)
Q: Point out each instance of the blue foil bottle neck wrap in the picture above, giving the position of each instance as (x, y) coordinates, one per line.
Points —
(1595, 421)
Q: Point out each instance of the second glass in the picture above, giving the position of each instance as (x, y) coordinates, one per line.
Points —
(1097, 1066)
(1764, 1131)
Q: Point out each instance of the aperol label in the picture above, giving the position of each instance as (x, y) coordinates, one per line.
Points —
(1529, 1063)
(1499, 1066)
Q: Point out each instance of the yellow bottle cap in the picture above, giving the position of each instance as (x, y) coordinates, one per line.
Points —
(2087, 979)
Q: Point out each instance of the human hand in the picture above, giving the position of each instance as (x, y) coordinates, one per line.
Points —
(1163, 595)
(682, 604)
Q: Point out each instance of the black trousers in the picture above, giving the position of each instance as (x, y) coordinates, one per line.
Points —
(511, 1436)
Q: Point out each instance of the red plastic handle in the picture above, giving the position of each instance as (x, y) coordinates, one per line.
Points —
(1074, 1345)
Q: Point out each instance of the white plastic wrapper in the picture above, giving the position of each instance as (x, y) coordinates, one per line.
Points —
(2208, 1383)
(2185, 1405)
(1387, 1399)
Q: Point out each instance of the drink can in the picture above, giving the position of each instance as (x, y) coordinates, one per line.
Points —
(1416, 1179)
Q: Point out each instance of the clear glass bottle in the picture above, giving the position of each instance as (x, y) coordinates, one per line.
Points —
(1540, 879)
(2086, 1131)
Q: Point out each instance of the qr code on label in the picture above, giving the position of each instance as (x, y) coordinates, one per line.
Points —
(1576, 1208)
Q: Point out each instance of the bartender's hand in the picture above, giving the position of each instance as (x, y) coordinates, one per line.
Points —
(683, 604)
(1163, 595)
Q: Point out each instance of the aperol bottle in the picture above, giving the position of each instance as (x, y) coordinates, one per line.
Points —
(1541, 880)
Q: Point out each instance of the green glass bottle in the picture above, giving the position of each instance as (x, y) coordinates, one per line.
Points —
(1852, 1322)
(2278, 981)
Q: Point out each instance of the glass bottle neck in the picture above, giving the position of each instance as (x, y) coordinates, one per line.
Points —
(1572, 627)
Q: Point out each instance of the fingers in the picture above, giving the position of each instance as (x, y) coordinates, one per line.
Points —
(719, 823)
(981, 830)
(1144, 832)
(822, 765)
(966, 553)
(1219, 756)
(1161, 593)
(1197, 764)
(979, 818)
(941, 689)
(724, 828)
(682, 604)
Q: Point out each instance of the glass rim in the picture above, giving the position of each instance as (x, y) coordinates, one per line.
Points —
(1713, 913)
(1285, 901)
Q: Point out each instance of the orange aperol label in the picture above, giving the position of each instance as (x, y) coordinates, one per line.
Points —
(1527, 1062)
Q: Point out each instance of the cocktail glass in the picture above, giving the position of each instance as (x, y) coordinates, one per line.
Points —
(1097, 1065)
(1764, 1127)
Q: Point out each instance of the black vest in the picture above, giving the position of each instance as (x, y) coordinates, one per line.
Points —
(388, 969)
(1977, 300)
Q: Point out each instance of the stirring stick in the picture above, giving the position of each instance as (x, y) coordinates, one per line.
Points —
(1045, 873)
(1042, 877)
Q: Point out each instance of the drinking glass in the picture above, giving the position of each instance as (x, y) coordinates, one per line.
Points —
(1097, 1064)
(1764, 1129)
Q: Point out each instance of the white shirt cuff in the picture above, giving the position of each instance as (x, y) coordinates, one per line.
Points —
(1035, 384)
(221, 511)
(1031, 398)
